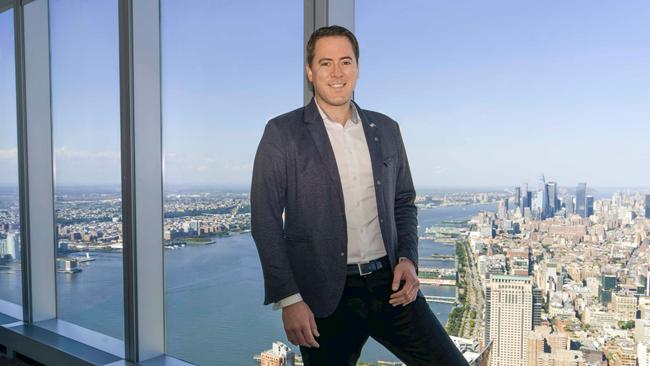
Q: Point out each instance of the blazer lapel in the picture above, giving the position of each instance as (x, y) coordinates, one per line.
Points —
(316, 128)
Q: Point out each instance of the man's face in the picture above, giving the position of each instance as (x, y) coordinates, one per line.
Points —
(333, 71)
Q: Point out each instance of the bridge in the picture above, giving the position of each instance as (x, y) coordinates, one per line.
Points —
(441, 299)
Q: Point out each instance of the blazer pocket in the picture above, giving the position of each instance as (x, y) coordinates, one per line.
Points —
(297, 238)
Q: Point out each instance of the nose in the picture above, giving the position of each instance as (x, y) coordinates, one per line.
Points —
(337, 70)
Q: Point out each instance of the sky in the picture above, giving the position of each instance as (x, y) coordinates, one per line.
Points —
(486, 93)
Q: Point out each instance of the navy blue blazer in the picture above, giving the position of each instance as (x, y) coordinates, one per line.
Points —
(295, 172)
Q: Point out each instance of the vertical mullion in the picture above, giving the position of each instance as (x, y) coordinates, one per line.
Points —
(126, 135)
(23, 196)
(141, 140)
(320, 13)
(34, 114)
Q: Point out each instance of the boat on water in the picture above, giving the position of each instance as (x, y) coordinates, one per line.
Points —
(85, 259)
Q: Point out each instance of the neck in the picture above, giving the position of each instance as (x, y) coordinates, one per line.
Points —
(338, 113)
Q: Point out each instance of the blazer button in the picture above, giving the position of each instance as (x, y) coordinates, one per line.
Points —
(378, 182)
(376, 138)
(342, 254)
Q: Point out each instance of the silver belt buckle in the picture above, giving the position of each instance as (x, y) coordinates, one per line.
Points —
(361, 273)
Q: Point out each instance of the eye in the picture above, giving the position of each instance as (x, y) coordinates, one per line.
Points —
(325, 63)
(347, 62)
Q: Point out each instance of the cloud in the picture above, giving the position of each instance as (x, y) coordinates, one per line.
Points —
(74, 166)
(8, 155)
(67, 153)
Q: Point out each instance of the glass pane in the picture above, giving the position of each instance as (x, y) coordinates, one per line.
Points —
(509, 108)
(10, 259)
(86, 133)
(227, 68)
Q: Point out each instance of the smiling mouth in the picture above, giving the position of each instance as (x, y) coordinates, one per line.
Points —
(337, 85)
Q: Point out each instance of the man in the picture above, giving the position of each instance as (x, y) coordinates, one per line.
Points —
(335, 224)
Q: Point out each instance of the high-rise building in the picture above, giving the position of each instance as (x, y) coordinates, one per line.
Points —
(644, 307)
(643, 353)
(581, 199)
(518, 197)
(279, 355)
(510, 318)
(537, 306)
(552, 198)
(536, 345)
(607, 285)
(647, 206)
(568, 206)
(624, 306)
(12, 246)
(590, 205)
(502, 209)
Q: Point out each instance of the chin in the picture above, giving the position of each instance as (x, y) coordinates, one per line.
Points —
(337, 101)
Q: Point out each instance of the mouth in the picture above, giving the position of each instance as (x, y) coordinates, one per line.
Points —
(337, 85)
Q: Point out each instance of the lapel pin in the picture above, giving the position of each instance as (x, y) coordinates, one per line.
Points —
(372, 125)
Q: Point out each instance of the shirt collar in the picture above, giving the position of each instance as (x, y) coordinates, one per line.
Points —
(354, 118)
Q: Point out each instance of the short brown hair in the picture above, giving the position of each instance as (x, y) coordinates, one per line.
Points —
(331, 31)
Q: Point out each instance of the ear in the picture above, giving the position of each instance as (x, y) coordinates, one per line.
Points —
(310, 75)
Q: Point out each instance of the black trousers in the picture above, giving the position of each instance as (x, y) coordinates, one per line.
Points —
(411, 332)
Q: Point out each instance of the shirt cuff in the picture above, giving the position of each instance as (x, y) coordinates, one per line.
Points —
(290, 300)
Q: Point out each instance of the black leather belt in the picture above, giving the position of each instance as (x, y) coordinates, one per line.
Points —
(364, 269)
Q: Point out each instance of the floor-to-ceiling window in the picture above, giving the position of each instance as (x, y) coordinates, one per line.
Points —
(10, 244)
(510, 108)
(86, 140)
(227, 68)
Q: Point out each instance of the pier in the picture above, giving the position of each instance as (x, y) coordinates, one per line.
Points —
(441, 299)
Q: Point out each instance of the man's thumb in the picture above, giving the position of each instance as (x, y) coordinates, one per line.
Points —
(396, 278)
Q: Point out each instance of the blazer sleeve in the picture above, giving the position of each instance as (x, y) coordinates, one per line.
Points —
(268, 200)
(406, 216)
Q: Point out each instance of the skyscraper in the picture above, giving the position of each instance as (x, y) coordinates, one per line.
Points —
(525, 197)
(647, 206)
(518, 197)
(568, 206)
(509, 318)
(607, 285)
(552, 198)
(537, 306)
(542, 198)
(581, 199)
(502, 209)
(590, 205)
(13, 246)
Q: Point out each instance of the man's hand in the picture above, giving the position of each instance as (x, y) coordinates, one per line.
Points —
(404, 271)
(300, 325)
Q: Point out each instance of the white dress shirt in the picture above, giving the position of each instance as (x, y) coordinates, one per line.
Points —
(350, 148)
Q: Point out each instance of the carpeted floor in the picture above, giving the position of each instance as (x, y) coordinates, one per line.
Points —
(4, 361)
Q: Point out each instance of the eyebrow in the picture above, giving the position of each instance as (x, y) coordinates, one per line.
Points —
(329, 59)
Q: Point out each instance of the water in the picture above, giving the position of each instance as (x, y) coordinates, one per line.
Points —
(214, 297)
